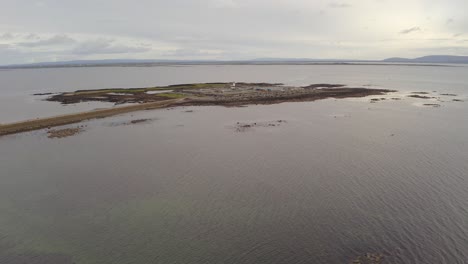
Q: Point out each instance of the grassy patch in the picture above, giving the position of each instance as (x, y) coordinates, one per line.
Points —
(155, 88)
(131, 91)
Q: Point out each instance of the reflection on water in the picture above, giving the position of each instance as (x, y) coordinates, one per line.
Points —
(333, 181)
(187, 188)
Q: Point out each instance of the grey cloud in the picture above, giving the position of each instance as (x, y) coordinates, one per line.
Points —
(32, 36)
(457, 35)
(53, 41)
(418, 39)
(8, 54)
(410, 30)
(104, 46)
(192, 53)
(339, 5)
(233, 28)
(449, 50)
(7, 36)
(224, 3)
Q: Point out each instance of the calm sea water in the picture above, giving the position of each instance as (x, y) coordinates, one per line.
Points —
(338, 179)
(17, 86)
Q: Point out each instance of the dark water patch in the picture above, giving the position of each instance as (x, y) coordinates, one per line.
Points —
(36, 259)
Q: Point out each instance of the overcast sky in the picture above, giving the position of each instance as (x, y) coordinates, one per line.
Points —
(53, 30)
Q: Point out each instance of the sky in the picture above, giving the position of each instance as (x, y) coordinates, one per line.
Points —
(60, 30)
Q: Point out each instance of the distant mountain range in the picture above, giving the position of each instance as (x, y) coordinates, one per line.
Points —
(96, 62)
(433, 59)
(135, 62)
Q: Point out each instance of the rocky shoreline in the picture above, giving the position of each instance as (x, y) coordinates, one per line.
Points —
(228, 94)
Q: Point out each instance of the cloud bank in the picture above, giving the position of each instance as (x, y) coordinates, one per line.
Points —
(48, 30)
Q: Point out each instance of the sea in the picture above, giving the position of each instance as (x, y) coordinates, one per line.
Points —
(329, 181)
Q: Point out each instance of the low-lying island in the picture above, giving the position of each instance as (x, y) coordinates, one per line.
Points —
(223, 94)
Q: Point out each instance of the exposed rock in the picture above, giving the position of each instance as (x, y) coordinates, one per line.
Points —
(242, 127)
(421, 96)
(62, 133)
(43, 93)
(433, 105)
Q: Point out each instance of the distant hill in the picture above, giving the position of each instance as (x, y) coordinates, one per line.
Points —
(431, 59)
(304, 60)
(77, 63)
(89, 62)
(149, 62)
(434, 59)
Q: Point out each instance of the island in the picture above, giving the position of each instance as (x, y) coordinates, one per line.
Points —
(230, 94)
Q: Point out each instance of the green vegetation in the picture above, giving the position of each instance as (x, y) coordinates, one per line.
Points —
(156, 88)
(104, 91)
